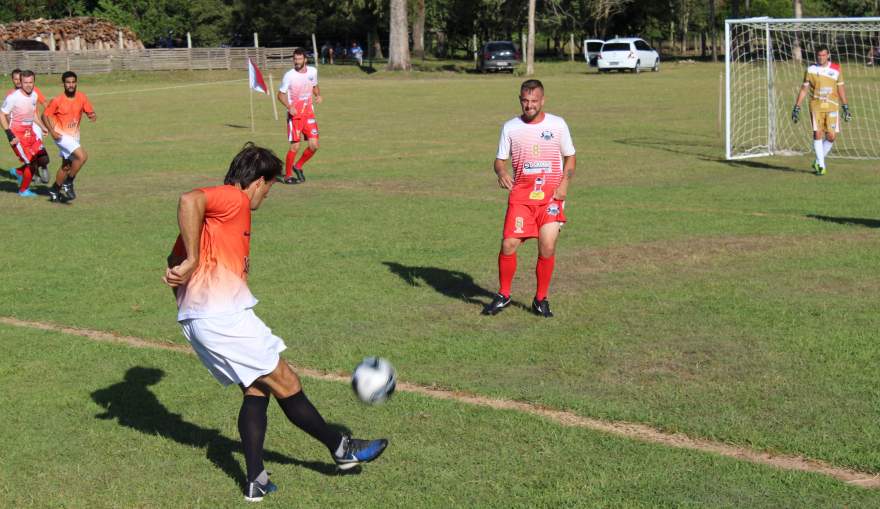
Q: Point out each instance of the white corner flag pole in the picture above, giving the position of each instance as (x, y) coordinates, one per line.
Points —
(272, 98)
(251, 98)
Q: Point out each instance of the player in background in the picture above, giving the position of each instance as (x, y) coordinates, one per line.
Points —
(62, 116)
(208, 270)
(42, 171)
(298, 93)
(17, 118)
(824, 82)
(542, 155)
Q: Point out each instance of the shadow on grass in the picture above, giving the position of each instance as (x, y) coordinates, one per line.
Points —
(236, 126)
(133, 405)
(693, 148)
(451, 283)
(11, 186)
(849, 221)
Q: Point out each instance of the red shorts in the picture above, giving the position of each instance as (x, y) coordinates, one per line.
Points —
(305, 124)
(524, 221)
(28, 144)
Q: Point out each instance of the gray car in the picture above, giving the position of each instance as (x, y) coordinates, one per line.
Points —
(498, 56)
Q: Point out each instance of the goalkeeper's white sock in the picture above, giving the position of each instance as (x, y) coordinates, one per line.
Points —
(820, 152)
(827, 146)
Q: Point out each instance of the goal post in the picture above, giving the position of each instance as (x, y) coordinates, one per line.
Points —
(764, 64)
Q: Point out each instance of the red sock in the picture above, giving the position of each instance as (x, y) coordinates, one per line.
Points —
(288, 163)
(307, 154)
(26, 179)
(543, 273)
(506, 271)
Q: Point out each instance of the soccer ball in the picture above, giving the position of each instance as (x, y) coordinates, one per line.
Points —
(373, 380)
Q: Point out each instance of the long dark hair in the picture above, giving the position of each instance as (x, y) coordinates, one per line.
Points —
(253, 163)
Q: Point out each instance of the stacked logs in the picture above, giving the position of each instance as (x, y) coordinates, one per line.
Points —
(70, 34)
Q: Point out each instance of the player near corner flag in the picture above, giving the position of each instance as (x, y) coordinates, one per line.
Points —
(18, 117)
(62, 116)
(824, 82)
(543, 158)
(298, 93)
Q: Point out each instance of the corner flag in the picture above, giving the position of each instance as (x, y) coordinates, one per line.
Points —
(255, 78)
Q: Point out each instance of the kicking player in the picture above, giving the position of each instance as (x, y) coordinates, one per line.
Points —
(299, 88)
(17, 118)
(62, 117)
(542, 155)
(208, 269)
(824, 82)
(42, 171)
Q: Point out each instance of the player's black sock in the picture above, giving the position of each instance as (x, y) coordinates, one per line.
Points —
(305, 416)
(252, 422)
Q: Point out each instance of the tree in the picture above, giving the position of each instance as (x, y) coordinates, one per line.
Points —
(418, 29)
(530, 51)
(398, 46)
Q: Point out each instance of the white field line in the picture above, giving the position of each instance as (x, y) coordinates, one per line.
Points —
(188, 85)
(628, 430)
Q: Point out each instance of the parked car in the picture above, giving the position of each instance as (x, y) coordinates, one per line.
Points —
(498, 56)
(592, 47)
(631, 54)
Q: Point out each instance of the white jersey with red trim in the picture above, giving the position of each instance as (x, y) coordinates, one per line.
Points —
(536, 152)
(21, 109)
(298, 85)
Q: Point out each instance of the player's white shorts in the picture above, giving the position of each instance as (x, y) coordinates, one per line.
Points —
(67, 145)
(237, 348)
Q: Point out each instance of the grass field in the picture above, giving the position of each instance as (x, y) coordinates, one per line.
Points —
(734, 302)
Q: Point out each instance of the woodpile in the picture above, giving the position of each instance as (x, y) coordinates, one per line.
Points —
(69, 34)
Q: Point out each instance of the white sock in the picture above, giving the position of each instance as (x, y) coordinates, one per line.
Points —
(820, 152)
(827, 145)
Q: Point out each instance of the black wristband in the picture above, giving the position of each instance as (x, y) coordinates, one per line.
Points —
(10, 135)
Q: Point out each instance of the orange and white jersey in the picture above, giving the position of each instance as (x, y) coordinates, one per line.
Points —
(536, 152)
(21, 109)
(66, 113)
(298, 85)
(823, 82)
(219, 284)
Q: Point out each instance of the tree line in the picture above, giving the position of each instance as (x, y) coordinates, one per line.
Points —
(438, 27)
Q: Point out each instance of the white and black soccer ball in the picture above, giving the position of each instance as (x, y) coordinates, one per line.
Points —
(373, 380)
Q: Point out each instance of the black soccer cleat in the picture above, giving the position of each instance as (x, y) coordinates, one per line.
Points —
(542, 308)
(498, 303)
(67, 191)
(300, 175)
(356, 451)
(254, 491)
(291, 180)
(55, 195)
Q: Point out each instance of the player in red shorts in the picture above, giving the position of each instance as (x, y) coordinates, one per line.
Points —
(542, 155)
(41, 101)
(17, 116)
(298, 93)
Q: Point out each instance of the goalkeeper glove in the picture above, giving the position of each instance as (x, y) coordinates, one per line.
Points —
(847, 116)
(795, 114)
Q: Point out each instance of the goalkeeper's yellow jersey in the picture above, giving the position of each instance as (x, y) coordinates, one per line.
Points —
(823, 81)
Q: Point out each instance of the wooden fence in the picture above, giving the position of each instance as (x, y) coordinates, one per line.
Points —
(97, 61)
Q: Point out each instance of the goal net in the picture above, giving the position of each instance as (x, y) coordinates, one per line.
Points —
(765, 61)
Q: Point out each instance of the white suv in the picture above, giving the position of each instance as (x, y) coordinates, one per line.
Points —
(630, 54)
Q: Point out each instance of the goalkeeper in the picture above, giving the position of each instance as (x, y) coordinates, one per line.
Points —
(824, 82)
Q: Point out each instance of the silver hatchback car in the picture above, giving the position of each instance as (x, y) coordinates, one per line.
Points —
(498, 56)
